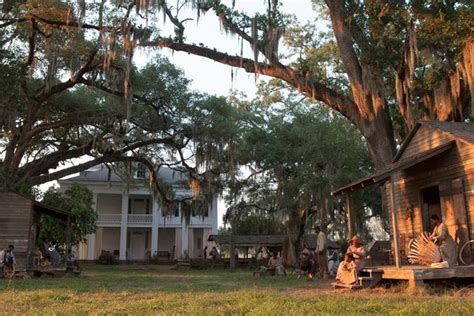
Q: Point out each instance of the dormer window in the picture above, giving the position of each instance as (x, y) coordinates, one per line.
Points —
(140, 172)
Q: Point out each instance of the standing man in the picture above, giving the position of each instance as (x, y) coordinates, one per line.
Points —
(321, 252)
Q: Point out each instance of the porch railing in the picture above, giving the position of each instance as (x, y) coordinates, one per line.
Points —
(136, 219)
(142, 219)
(109, 218)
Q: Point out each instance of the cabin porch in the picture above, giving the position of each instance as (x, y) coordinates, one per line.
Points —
(417, 275)
(413, 274)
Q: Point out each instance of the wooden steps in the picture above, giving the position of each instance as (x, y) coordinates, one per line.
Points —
(347, 286)
(183, 263)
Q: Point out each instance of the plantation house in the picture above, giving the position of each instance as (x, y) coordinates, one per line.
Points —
(131, 224)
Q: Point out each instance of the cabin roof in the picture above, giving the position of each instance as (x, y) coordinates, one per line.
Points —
(399, 165)
(41, 207)
(266, 240)
(249, 240)
(461, 131)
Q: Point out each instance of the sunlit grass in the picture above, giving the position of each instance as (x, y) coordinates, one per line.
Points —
(160, 290)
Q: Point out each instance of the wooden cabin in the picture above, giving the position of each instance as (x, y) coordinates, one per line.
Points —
(19, 224)
(432, 173)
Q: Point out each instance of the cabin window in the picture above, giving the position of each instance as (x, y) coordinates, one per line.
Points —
(431, 205)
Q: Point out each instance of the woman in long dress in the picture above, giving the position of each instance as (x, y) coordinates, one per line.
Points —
(354, 262)
(445, 242)
(356, 248)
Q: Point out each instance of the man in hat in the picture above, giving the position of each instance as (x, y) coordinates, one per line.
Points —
(321, 252)
(356, 248)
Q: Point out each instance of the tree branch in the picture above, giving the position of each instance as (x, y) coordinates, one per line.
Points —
(307, 86)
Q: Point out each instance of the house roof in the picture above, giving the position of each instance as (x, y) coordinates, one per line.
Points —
(101, 173)
(399, 165)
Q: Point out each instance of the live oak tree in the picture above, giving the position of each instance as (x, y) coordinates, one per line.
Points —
(412, 57)
(70, 93)
(295, 152)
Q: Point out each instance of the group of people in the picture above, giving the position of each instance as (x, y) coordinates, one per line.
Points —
(318, 260)
(213, 254)
(7, 261)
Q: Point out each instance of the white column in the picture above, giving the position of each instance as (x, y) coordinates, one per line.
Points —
(184, 236)
(123, 227)
(214, 214)
(91, 237)
(154, 227)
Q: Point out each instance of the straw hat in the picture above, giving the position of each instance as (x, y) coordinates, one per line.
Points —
(356, 239)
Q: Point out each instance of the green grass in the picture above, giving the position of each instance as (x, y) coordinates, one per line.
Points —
(160, 290)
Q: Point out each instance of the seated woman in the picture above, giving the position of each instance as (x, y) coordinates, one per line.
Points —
(347, 271)
(275, 264)
(356, 248)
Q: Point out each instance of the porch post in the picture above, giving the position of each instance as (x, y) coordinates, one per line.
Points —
(232, 252)
(91, 237)
(350, 218)
(393, 211)
(184, 235)
(154, 227)
(123, 227)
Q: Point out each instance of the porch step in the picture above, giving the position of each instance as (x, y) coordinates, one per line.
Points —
(365, 282)
(183, 263)
(347, 286)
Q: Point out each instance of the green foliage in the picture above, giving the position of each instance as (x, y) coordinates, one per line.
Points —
(254, 224)
(78, 201)
(297, 153)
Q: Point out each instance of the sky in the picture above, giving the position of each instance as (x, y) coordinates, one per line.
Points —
(212, 77)
(209, 76)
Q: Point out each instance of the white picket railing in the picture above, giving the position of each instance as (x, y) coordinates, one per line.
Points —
(109, 218)
(142, 219)
(134, 219)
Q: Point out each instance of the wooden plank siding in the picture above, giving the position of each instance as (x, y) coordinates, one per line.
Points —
(452, 171)
(15, 223)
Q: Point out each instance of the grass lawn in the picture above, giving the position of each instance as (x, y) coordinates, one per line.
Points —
(160, 290)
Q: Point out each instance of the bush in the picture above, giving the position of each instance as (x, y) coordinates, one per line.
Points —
(107, 259)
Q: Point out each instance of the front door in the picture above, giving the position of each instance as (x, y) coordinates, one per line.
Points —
(431, 206)
(137, 245)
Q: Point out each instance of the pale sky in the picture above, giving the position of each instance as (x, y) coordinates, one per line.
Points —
(212, 77)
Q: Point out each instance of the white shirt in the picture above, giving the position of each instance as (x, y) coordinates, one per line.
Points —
(321, 243)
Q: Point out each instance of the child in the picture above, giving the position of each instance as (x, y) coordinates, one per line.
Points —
(347, 271)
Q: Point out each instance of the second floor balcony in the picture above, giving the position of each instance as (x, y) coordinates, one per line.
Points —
(132, 219)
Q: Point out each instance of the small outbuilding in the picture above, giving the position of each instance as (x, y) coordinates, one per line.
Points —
(432, 173)
(19, 224)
